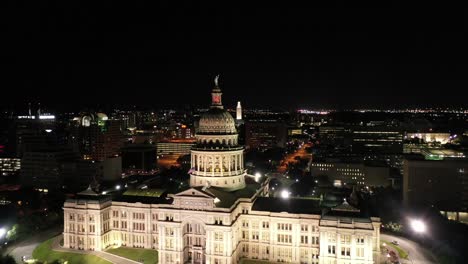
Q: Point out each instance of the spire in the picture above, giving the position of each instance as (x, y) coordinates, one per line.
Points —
(216, 95)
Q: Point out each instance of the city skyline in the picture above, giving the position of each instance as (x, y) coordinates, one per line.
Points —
(152, 55)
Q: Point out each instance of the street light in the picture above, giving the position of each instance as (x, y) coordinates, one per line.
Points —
(418, 226)
(284, 194)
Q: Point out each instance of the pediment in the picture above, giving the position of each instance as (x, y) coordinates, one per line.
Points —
(193, 192)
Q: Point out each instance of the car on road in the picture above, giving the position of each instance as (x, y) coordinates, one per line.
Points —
(394, 242)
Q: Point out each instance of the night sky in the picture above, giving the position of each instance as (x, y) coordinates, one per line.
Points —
(268, 56)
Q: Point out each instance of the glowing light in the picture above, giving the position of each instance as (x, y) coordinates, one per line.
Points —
(257, 176)
(418, 226)
(2, 232)
(117, 187)
(104, 192)
(285, 194)
(48, 130)
(47, 117)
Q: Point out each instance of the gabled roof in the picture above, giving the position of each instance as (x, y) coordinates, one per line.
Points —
(195, 191)
(88, 192)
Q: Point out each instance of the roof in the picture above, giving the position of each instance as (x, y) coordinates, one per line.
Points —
(291, 205)
(145, 192)
(88, 192)
(347, 213)
(142, 199)
(227, 199)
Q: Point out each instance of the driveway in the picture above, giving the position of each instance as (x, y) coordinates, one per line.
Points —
(416, 253)
(26, 247)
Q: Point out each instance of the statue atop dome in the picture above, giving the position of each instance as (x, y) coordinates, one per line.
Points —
(216, 80)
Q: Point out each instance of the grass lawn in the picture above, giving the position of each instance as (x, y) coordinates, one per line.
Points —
(401, 253)
(43, 253)
(149, 256)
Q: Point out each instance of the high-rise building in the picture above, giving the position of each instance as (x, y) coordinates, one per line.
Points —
(442, 184)
(97, 136)
(239, 111)
(377, 140)
(350, 173)
(264, 134)
(42, 169)
(224, 216)
(139, 157)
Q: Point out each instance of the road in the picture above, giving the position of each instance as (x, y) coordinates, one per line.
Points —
(301, 152)
(26, 247)
(416, 254)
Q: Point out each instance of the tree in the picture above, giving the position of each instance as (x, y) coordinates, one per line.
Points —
(12, 234)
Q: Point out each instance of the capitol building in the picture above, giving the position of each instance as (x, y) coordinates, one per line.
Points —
(225, 216)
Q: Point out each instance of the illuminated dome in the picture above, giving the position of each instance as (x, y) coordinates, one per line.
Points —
(216, 121)
(217, 159)
(102, 116)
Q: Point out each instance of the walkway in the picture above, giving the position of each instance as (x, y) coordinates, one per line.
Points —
(104, 255)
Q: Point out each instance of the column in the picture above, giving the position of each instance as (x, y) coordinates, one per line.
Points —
(242, 160)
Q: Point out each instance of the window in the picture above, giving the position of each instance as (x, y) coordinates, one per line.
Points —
(254, 224)
(360, 252)
(345, 251)
(360, 240)
(315, 240)
(304, 240)
(245, 223)
(218, 248)
(331, 249)
(169, 217)
(218, 220)
(345, 239)
(139, 216)
(123, 224)
(284, 238)
(265, 224)
(266, 236)
(282, 226)
(169, 231)
(255, 235)
(218, 236)
(304, 228)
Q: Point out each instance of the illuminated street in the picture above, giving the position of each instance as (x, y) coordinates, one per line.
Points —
(416, 254)
(301, 152)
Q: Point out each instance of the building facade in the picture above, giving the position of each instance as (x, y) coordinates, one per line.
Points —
(224, 216)
(442, 184)
(347, 173)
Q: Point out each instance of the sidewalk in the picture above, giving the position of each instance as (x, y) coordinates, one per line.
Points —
(104, 255)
